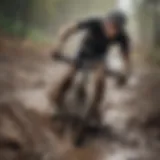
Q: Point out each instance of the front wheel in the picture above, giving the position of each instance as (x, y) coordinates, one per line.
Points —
(81, 94)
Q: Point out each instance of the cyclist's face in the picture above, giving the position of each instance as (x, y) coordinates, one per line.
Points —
(110, 29)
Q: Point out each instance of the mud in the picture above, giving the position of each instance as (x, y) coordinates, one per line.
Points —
(130, 115)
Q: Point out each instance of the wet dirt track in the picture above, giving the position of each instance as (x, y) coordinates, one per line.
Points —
(29, 75)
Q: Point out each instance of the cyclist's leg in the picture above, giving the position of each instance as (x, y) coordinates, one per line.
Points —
(64, 86)
(99, 89)
(67, 82)
(81, 89)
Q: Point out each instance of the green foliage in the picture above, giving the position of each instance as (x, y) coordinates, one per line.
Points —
(17, 29)
(28, 18)
(8, 26)
(35, 19)
(39, 36)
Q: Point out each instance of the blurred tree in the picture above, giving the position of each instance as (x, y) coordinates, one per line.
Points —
(48, 15)
(149, 14)
(17, 11)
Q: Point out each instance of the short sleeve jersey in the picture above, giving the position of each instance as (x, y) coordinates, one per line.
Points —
(96, 41)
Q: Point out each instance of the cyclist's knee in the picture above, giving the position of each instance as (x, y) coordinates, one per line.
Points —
(100, 73)
(72, 71)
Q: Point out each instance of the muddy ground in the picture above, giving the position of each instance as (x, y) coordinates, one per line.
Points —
(130, 115)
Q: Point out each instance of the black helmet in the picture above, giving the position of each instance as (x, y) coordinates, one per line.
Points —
(117, 17)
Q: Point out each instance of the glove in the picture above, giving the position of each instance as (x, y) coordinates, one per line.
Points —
(56, 55)
(122, 80)
(123, 77)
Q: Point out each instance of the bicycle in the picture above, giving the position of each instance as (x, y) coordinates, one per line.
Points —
(85, 121)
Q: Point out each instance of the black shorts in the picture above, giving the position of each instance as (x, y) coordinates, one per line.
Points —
(85, 61)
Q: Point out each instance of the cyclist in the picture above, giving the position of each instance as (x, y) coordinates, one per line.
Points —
(101, 34)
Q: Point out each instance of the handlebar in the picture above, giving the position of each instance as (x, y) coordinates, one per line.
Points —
(64, 59)
(68, 60)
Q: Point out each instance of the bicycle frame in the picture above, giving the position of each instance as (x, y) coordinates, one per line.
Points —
(68, 60)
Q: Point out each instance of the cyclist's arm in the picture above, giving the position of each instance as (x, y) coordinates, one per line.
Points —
(64, 35)
(68, 31)
(125, 51)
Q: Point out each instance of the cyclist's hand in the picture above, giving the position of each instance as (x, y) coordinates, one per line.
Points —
(125, 75)
(122, 80)
(56, 55)
(57, 51)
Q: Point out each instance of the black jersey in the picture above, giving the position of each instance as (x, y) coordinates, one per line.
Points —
(96, 42)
